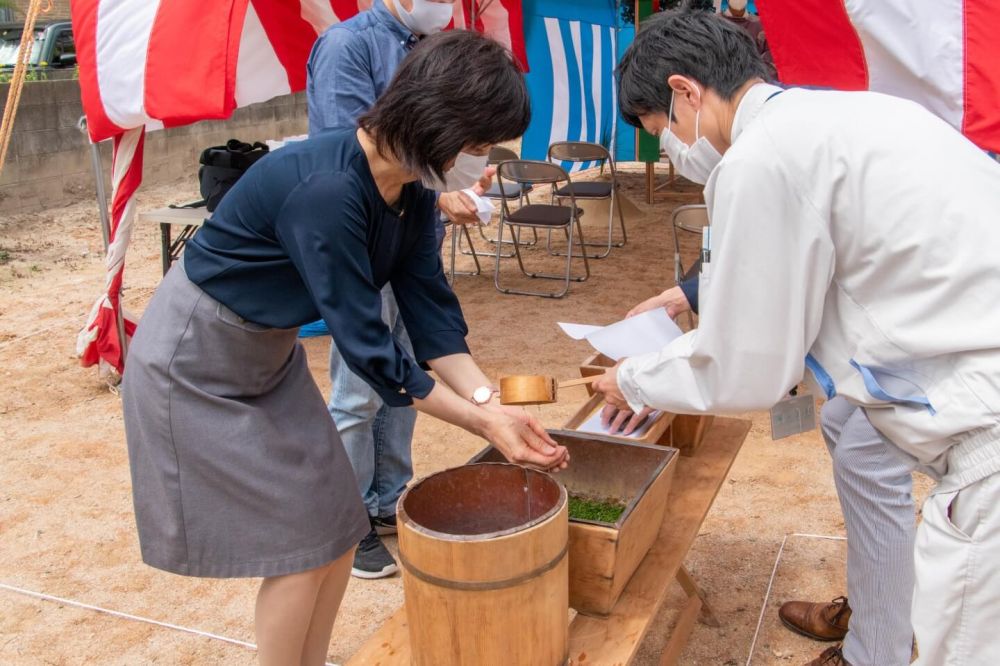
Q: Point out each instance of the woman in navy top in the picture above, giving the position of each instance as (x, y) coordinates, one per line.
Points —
(237, 467)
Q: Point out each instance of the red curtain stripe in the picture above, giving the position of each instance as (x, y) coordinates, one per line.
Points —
(814, 43)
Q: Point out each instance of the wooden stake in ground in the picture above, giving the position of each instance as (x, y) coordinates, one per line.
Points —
(17, 80)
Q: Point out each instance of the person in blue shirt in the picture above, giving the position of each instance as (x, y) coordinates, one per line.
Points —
(350, 66)
(237, 468)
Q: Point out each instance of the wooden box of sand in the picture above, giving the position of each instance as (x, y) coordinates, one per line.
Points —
(608, 476)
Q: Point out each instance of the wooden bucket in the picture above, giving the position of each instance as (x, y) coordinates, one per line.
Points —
(485, 573)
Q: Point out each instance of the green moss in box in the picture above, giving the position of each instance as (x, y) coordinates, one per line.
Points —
(607, 510)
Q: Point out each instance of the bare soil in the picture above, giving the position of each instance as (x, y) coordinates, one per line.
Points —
(66, 523)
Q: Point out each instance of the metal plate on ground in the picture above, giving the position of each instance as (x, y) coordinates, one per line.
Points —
(793, 415)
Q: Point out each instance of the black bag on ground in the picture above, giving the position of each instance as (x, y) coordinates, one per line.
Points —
(222, 166)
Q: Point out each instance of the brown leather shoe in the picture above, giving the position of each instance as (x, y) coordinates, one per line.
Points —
(830, 657)
(821, 622)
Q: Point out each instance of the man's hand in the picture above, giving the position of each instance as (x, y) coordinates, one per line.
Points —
(672, 299)
(607, 385)
(624, 421)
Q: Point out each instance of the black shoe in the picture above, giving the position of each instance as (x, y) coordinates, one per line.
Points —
(372, 559)
(384, 526)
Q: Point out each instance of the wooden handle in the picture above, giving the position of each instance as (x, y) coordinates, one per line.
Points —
(527, 390)
(579, 381)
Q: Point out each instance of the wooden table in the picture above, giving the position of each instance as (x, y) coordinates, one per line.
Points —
(188, 218)
(615, 639)
(651, 186)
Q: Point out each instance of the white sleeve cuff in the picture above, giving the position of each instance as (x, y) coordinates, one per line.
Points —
(626, 382)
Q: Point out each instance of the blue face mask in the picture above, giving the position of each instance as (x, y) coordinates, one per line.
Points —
(695, 162)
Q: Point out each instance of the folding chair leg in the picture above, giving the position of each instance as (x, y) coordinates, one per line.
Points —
(472, 251)
(621, 219)
(475, 255)
(454, 251)
(607, 246)
(566, 278)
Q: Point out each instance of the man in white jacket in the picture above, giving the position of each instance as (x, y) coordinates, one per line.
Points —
(856, 235)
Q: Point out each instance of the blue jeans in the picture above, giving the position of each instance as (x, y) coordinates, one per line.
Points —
(377, 437)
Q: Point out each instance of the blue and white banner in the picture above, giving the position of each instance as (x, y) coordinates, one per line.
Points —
(573, 48)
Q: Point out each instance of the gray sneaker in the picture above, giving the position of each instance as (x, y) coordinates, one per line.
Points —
(384, 526)
(372, 559)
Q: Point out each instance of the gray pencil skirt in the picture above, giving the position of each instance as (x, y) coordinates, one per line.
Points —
(237, 468)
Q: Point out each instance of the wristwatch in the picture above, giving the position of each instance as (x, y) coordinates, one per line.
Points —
(483, 395)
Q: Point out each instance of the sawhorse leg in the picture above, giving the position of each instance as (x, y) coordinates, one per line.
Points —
(165, 246)
(696, 608)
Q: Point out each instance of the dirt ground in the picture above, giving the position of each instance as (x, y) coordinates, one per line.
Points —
(66, 524)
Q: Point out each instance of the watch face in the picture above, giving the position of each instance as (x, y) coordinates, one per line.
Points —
(482, 395)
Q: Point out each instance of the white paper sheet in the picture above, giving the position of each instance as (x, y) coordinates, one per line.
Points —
(578, 331)
(643, 334)
(593, 425)
(484, 207)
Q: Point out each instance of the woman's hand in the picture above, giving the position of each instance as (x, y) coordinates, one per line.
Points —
(484, 181)
(522, 439)
(607, 385)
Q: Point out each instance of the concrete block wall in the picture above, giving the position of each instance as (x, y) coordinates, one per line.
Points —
(59, 11)
(49, 165)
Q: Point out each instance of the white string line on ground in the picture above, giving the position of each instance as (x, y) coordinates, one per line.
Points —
(129, 616)
(770, 583)
(77, 320)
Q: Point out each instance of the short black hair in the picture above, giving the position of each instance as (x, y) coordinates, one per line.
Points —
(455, 88)
(700, 45)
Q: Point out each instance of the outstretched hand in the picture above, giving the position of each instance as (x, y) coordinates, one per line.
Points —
(673, 300)
(522, 439)
(607, 385)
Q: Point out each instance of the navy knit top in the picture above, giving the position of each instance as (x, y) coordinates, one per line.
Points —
(306, 234)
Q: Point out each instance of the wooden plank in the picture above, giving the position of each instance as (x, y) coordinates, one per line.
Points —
(682, 632)
(615, 639)
(194, 217)
(691, 588)
(689, 430)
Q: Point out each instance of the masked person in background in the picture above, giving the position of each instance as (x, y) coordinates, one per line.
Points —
(237, 469)
(736, 12)
(834, 249)
(350, 66)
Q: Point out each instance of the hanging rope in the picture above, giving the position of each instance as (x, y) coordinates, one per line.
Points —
(17, 80)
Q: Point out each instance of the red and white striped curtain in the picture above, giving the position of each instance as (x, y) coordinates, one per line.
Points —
(149, 64)
(943, 54)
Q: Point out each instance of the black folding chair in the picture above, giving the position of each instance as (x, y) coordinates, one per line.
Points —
(583, 151)
(540, 216)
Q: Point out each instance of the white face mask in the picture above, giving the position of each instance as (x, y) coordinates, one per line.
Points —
(694, 162)
(426, 17)
(467, 171)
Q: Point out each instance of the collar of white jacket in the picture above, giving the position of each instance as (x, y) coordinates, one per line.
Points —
(750, 107)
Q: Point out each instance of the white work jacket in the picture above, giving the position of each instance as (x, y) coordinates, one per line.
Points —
(858, 235)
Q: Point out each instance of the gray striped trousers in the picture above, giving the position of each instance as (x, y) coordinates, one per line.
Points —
(875, 488)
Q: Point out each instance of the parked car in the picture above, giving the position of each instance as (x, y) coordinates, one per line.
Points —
(51, 48)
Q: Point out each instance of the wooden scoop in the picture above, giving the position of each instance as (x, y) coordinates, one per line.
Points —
(535, 389)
